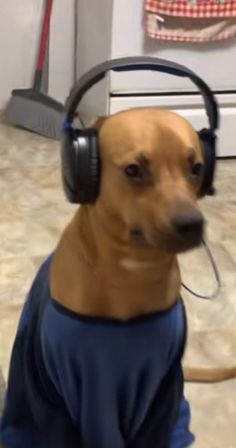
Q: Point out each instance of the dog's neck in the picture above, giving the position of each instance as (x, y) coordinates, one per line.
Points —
(96, 271)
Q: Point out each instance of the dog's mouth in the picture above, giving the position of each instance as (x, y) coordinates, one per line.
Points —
(167, 242)
(137, 236)
(177, 245)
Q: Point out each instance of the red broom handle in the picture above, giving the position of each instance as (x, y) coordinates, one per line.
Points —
(43, 43)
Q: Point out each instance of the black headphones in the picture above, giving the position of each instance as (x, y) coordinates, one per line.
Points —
(81, 168)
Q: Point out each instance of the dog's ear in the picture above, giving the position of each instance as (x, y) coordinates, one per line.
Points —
(98, 122)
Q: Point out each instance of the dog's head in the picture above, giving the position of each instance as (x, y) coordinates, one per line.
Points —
(152, 168)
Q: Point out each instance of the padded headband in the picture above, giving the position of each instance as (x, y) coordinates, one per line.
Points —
(140, 63)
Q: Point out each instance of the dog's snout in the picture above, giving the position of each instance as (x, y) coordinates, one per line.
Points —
(187, 224)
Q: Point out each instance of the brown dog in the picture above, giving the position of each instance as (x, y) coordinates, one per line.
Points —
(115, 380)
(119, 255)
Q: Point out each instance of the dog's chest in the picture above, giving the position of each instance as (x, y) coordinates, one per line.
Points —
(102, 364)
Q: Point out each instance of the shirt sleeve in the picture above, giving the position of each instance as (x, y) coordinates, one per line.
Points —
(181, 435)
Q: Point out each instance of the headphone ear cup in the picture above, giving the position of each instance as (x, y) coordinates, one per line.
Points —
(88, 165)
(208, 143)
(68, 165)
(81, 165)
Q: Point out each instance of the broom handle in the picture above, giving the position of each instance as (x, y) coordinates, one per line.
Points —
(43, 45)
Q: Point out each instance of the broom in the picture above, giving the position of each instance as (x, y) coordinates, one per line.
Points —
(30, 108)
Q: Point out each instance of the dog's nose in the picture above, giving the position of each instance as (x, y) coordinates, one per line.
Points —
(189, 224)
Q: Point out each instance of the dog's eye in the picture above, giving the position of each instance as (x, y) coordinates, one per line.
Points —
(196, 169)
(134, 171)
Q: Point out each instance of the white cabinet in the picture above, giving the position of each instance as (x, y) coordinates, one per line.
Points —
(112, 29)
(216, 63)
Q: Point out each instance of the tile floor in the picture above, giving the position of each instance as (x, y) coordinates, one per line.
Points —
(33, 212)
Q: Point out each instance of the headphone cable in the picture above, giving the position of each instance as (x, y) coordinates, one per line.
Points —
(216, 275)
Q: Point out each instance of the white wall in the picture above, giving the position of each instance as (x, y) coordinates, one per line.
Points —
(61, 49)
(93, 47)
(19, 28)
(20, 22)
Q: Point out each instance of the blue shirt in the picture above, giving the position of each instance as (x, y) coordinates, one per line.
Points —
(89, 382)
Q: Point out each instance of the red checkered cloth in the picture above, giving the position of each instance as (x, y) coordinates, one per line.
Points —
(190, 30)
(196, 9)
(182, 20)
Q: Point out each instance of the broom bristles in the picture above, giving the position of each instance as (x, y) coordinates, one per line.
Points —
(36, 112)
